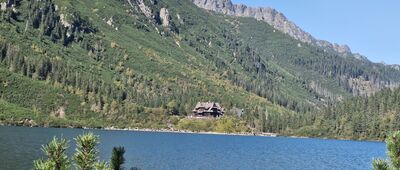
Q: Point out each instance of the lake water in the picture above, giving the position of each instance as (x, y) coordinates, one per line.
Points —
(19, 146)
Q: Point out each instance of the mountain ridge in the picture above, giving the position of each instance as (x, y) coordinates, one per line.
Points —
(276, 19)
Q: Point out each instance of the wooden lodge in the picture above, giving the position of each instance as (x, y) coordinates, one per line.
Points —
(208, 109)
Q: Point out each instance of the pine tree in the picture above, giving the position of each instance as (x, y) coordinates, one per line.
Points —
(86, 154)
(57, 157)
(379, 164)
(117, 158)
(393, 146)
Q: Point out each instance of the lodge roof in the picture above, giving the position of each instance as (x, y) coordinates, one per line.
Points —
(208, 106)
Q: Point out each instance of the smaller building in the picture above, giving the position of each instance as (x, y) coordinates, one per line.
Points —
(208, 109)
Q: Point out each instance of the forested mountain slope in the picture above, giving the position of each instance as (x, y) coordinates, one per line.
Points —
(357, 82)
(138, 63)
(370, 117)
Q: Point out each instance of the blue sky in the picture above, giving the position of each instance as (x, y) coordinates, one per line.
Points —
(369, 27)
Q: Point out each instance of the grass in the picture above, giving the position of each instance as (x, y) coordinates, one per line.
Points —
(141, 69)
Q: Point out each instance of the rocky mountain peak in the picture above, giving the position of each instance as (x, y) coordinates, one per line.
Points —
(397, 67)
(272, 17)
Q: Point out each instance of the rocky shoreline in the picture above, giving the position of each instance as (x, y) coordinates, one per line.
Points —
(31, 123)
(189, 132)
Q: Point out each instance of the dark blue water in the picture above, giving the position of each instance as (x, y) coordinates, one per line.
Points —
(19, 146)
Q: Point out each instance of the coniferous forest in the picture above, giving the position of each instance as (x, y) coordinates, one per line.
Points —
(124, 63)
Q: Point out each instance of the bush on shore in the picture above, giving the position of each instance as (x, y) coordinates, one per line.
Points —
(222, 125)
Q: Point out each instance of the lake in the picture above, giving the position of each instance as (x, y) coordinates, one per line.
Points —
(19, 146)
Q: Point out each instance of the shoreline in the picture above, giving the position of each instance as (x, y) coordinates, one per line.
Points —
(264, 134)
(188, 132)
(149, 130)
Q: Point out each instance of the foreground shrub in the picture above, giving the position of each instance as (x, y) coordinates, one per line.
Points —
(85, 157)
(57, 158)
(393, 146)
(86, 154)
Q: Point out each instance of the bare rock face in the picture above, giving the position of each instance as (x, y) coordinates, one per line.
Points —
(6, 4)
(397, 67)
(165, 17)
(180, 19)
(3, 6)
(145, 9)
(64, 21)
(360, 57)
(272, 17)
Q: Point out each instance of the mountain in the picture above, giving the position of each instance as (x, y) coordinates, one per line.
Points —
(136, 63)
(272, 17)
(281, 23)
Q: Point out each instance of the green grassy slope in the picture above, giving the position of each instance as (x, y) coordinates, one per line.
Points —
(106, 62)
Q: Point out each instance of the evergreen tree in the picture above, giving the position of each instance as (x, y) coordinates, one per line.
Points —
(86, 156)
(101, 166)
(379, 164)
(393, 146)
(56, 156)
(117, 158)
(86, 153)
